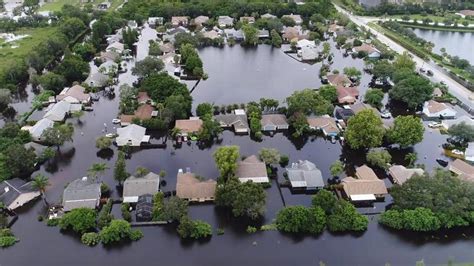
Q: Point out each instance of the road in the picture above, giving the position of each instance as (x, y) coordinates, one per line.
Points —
(456, 89)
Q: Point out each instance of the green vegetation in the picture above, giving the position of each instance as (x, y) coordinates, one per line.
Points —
(344, 217)
(120, 170)
(126, 215)
(105, 217)
(7, 239)
(379, 158)
(226, 160)
(90, 239)
(269, 156)
(374, 97)
(174, 209)
(194, 229)
(406, 131)
(58, 135)
(103, 142)
(119, 230)
(299, 219)
(364, 130)
(81, 220)
(337, 168)
(15, 159)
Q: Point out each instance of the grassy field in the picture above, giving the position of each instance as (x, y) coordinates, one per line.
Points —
(434, 18)
(25, 45)
(56, 5)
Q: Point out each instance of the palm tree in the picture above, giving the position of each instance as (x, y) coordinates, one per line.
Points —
(97, 169)
(40, 182)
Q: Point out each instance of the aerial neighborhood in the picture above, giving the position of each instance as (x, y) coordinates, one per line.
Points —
(145, 119)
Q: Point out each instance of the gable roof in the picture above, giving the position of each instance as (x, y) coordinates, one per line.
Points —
(432, 107)
(189, 187)
(401, 174)
(367, 183)
(366, 48)
(76, 92)
(462, 169)
(138, 186)
(305, 174)
(177, 20)
(191, 125)
(201, 20)
(131, 134)
(97, 79)
(116, 47)
(232, 120)
(251, 167)
(11, 190)
(347, 94)
(37, 130)
(58, 111)
(274, 120)
(225, 20)
(324, 123)
(338, 80)
(81, 193)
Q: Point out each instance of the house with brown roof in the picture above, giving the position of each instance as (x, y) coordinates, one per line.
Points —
(212, 34)
(200, 20)
(400, 174)
(167, 48)
(190, 188)
(296, 18)
(188, 126)
(252, 169)
(74, 94)
(466, 13)
(179, 21)
(326, 124)
(339, 80)
(433, 110)
(143, 112)
(365, 187)
(371, 51)
(462, 169)
(143, 97)
(347, 94)
(334, 28)
(273, 122)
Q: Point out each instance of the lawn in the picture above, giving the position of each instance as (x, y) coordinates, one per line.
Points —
(56, 5)
(25, 45)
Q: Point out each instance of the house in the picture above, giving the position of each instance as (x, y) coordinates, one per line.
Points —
(291, 33)
(60, 110)
(117, 47)
(249, 20)
(201, 20)
(263, 34)
(132, 135)
(400, 174)
(212, 34)
(143, 112)
(462, 119)
(462, 169)
(38, 149)
(132, 24)
(144, 208)
(347, 94)
(308, 53)
(305, 175)
(339, 80)
(334, 28)
(188, 126)
(325, 123)
(37, 130)
(153, 21)
(466, 13)
(469, 153)
(268, 16)
(296, 18)
(190, 188)
(104, 5)
(371, 51)
(237, 35)
(365, 187)
(252, 169)
(171, 33)
(167, 48)
(81, 193)
(179, 21)
(143, 98)
(343, 113)
(433, 109)
(97, 80)
(238, 121)
(16, 192)
(305, 43)
(74, 94)
(109, 56)
(134, 187)
(225, 21)
(273, 122)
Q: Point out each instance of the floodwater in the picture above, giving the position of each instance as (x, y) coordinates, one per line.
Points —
(42, 245)
(455, 43)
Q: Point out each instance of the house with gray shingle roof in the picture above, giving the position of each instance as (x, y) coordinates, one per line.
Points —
(81, 193)
(305, 175)
(16, 192)
(238, 121)
(134, 186)
(273, 122)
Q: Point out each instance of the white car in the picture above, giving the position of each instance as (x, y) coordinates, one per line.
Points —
(116, 121)
(386, 115)
(457, 152)
(110, 135)
(435, 125)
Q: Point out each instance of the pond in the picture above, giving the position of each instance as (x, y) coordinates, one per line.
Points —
(236, 75)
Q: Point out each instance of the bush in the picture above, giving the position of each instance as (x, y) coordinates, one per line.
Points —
(251, 229)
(90, 239)
(136, 235)
(117, 231)
(105, 216)
(193, 229)
(126, 212)
(220, 231)
(7, 241)
(299, 219)
(80, 220)
(380, 158)
(284, 160)
(346, 218)
(53, 222)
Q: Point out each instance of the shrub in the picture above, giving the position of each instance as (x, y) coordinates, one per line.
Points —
(116, 231)
(126, 212)
(284, 160)
(193, 229)
(251, 229)
(136, 235)
(7, 241)
(220, 231)
(105, 216)
(90, 239)
(80, 220)
(299, 219)
(53, 222)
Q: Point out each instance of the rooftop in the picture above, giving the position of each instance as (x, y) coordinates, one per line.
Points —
(189, 187)
(401, 174)
(81, 193)
(251, 167)
(305, 174)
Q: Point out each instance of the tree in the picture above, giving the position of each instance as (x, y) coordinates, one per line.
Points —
(329, 93)
(300, 123)
(90, 239)
(210, 128)
(57, 136)
(379, 158)
(117, 231)
(413, 90)
(299, 219)
(52, 81)
(346, 218)
(80, 220)
(308, 101)
(120, 170)
(250, 34)
(141, 171)
(411, 158)
(364, 130)
(226, 160)
(204, 109)
(103, 142)
(72, 27)
(269, 156)
(463, 131)
(337, 168)
(325, 200)
(178, 105)
(18, 160)
(97, 169)
(40, 182)
(85, 50)
(73, 68)
(406, 131)
(194, 229)
(404, 61)
(174, 209)
(352, 72)
(160, 86)
(418, 220)
(5, 98)
(276, 38)
(147, 66)
(382, 69)
(374, 97)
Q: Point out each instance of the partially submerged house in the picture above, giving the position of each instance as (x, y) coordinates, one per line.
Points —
(189, 126)
(200, 20)
(366, 186)
(81, 193)
(339, 80)
(434, 110)
(268, 16)
(58, 112)
(136, 186)
(237, 121)
(343, 113)
(293, 34)
(74, 94)
(37, 130)
(237, 35)
(16, 192)
(225, 21)
(305, 175)
(252, 169)
(132, 135)
(249, 20)
(143, 112)
(469, 153)
(400, 174)
(273, 122)
(308, 53)
(97, 80)
(326, 124)
(462, 169)
(347, 94)
(153, 21)
(177, 21)
(192, 189)
(369, 49)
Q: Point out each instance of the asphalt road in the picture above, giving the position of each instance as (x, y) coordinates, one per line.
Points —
(456, 89)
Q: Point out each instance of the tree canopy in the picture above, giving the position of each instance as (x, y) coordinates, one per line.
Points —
(300, 219)
(80, 220)
(226, 160)
(406, 131)
(364, 130)
(149, 65)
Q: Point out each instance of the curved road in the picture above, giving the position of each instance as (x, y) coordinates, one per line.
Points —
(456, 89)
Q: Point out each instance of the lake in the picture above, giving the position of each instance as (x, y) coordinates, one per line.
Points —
(235, 75)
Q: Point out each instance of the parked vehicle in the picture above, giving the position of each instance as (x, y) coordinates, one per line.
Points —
(429, 73)
(442, 162)
(457, 152)
(386, 115)
(116, 121)
(435, 125)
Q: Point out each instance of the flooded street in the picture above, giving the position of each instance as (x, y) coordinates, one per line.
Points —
(236, 75)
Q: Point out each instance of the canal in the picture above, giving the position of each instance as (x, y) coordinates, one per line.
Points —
(236, 75)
